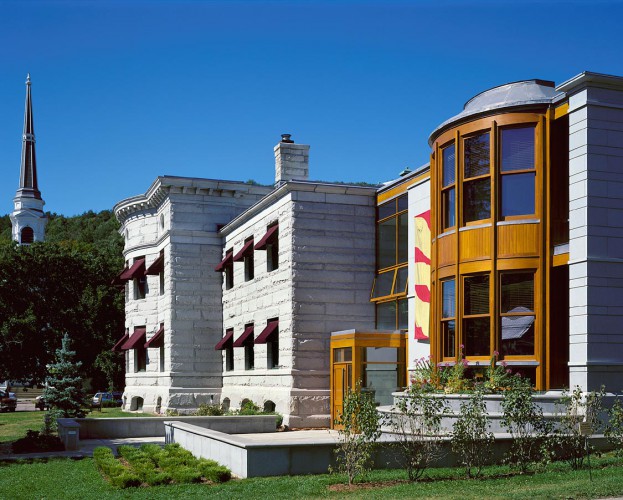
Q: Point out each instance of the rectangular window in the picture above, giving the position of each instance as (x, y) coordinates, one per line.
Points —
(448, 197)
(386, 243)
(161, 358)
(229, 277)
(140, 359)
(392, 315)
(448, 318)
(517, 171)
(249, 267)
(249, 357)
(517, 314)
(476, 319)
(272, 256)
(161, 278)
(229, 352)
(273, 352)
(477, 178)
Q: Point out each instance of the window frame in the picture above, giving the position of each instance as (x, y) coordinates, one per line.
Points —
(516, 357)
(501, 174)
(467, 180)
(445, 320)
(468, 317)
(397, 213)
(450, 187)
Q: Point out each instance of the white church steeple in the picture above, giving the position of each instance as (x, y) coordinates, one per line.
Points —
(28, 218)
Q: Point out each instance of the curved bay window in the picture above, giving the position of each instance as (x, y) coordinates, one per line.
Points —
(488, 277)
(389, 289)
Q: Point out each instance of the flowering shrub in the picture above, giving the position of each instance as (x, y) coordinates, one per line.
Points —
(455, 377)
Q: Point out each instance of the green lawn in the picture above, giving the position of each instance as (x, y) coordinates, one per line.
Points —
(69, 479)
(13, 425)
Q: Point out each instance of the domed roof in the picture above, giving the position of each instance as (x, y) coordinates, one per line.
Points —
(523, 93)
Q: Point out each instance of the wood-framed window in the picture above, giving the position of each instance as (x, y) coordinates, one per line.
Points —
(517, 171)
(476, 324)
(392, 315)
(448, 187)
(476, 178)
(448, 318)
(392, 233)
(517, 314)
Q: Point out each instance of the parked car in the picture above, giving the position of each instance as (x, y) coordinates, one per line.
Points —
(8, 401)
(106, 397)
(41, 404)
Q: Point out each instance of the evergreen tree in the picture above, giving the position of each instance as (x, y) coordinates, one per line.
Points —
(64, 392)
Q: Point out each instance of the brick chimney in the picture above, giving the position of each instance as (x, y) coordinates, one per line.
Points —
(291, 160)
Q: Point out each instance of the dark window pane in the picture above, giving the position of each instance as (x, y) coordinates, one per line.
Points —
(386, 316)
(477, 337)
(518, 194)
(476, 156)
(517, 148)
(386, 244)
(517, 336)
(380, 355)
(476, 200)
(401, 280)
(517, 292)
(403, 203)
(448, 291)
(403, 238)
(386, 209)
(449, 338)
(448, 166)
(403, 314)
(383, 284)
(449, 205)
(476, 297)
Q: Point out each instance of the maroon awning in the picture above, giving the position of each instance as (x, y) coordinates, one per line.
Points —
(245, 338)
(271, 328)
(267, 238)
(136, 340)
(137, 270)
(229, 258)
(156, 267)
(246, 249)
(157, 340)
(222, 344)
(117, 347)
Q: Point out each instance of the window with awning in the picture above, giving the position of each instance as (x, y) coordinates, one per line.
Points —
(269, 237)
(118, 345)
(225, 341)
(269, 333)
(137, 340)
(156, 267)
(246, 338)
(157, 340)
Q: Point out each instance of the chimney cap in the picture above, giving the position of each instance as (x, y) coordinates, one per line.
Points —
(286, 138)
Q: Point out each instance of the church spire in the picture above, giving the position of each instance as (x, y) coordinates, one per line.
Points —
(28, 172)
(28, 218)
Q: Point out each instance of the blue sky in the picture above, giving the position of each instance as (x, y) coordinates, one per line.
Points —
(126, 91)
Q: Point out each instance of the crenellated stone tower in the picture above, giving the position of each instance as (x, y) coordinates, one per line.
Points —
(28, 218)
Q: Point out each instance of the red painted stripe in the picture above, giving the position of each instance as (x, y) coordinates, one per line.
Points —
(421, 257)
(419, 333)
(426, 217)
(423, 293)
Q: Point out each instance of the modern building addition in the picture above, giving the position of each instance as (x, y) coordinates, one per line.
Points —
(508, 241)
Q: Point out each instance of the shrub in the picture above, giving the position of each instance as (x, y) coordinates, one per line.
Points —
(35, 441)
(117, 474)
(206, 410)
(570, 442)
(358, 427)
(614, 429)
(471, 438)
(214, 472)
(416, 423)
(523, 420)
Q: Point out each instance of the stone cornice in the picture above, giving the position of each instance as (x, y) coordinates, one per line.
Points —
(294, 186)
(162, 186)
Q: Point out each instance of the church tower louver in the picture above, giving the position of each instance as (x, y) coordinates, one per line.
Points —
(28, 218)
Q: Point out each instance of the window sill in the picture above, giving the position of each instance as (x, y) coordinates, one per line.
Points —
(510, 222)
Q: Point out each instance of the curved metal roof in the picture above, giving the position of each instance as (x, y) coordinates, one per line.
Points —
(523, 93)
